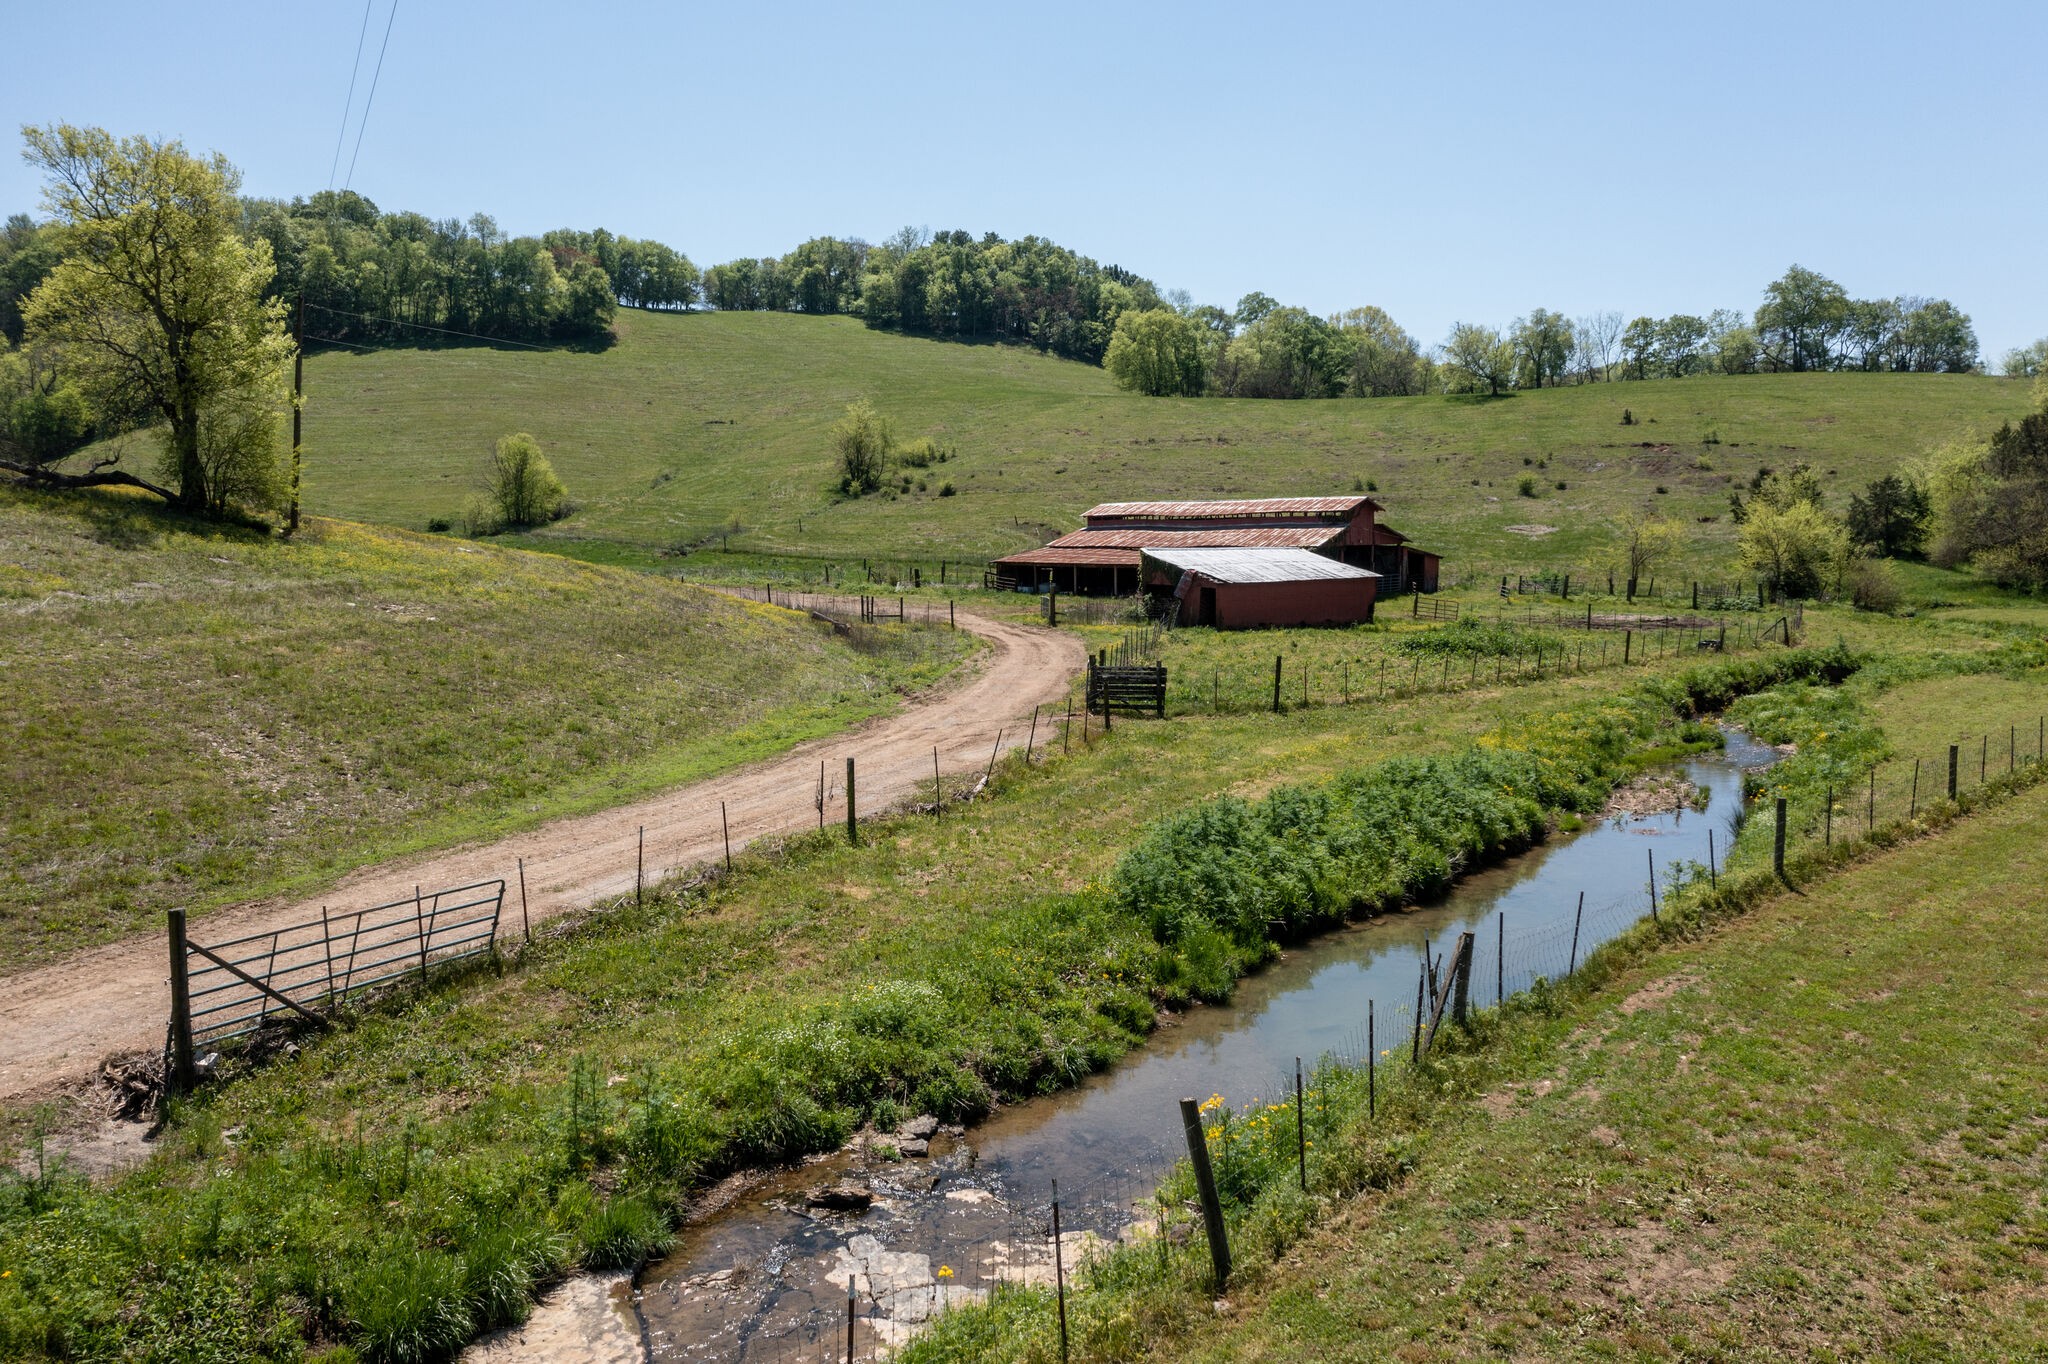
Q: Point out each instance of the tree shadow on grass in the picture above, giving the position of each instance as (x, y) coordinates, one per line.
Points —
(126, 519)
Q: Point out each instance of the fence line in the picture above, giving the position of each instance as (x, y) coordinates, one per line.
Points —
(1269, 1135)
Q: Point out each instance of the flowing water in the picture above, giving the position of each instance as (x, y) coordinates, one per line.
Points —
(766, 1277)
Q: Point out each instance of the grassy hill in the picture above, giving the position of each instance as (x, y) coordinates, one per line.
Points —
(197, 714)
(692, 420)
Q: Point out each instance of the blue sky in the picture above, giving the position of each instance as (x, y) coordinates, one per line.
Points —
(1456, 163)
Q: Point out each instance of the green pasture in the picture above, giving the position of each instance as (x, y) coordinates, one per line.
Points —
(199, 714)
(698, 425)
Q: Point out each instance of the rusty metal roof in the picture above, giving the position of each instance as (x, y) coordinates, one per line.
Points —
(1227, 537)
(1256, 565)
(1056, 555)
(1236, 508)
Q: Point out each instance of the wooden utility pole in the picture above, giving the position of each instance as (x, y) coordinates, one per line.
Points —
(298, 404)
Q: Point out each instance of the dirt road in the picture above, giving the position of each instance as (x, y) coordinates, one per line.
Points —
(57, 1021)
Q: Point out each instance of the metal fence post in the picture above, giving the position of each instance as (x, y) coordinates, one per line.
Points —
(180, 1079)
(1059, 1267)
(1300, 1126)
(1653, 881)
(1205, 1184)
(1952, 750)
(852, 829)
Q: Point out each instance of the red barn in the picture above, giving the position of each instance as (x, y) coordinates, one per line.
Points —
(1103, 557)
(1244, 589)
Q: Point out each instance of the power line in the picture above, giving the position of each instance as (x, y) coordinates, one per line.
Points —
(445, 331)
(371, 98)
(341, 135)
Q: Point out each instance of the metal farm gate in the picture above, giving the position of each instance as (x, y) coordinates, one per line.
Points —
(230, 989)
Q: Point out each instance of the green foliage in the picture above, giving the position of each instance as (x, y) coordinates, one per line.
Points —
(1029, 290)
(1304, 858)
(369, 277)
(862, 441)
(1157, 352)
(521, 484)
(408, 1306)
(1470, 636)
(623, 1231)
(1479, 357)
(159, 302)
(1284, 353)
(1799, 550)
(1890, 517)
(1993, 504)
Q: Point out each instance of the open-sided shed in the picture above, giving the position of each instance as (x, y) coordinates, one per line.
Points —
(1250, 588)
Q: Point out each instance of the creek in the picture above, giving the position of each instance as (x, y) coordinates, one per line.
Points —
(765, 1277)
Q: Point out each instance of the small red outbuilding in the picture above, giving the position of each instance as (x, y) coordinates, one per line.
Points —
(1245, 589)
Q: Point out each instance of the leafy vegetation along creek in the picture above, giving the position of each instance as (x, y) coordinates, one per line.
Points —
(769, 1271)
(281, 1215)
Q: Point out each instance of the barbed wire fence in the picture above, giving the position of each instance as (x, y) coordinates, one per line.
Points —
(1149, 1205)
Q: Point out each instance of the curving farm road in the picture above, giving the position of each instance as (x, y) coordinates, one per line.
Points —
(58, 1021)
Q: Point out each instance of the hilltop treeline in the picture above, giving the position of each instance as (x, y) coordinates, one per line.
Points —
(950, 284)
(1263, 350)
(369, 277)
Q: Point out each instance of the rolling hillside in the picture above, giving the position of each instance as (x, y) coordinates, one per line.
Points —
(692, 420)
(197, 714)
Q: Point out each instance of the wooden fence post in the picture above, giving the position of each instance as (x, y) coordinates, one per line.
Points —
(1205, 1185)
(1952, 748)
(1276, 683)
(180, 1079)
(1778, 842)
(852, 828)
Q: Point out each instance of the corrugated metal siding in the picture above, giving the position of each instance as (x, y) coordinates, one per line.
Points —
(1334, 507)
(1256, 565)
(1251, 606)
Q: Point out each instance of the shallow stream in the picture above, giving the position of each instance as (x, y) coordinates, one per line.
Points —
(765, 1278)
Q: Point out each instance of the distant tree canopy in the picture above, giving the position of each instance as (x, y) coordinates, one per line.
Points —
(370, 276)
(373, 277)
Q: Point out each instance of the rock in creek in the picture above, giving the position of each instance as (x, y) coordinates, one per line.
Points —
(841, 1198)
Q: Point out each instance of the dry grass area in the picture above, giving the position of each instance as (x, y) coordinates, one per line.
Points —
(200, 713)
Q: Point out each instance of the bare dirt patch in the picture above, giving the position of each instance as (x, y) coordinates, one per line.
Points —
(1655, 994)
(1534, 530)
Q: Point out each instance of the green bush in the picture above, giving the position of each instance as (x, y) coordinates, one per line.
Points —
(409, 1306)
(624, 1230)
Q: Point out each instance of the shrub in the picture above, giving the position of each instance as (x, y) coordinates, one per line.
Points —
(1527, 487)
(1874, 586)
(947, 489)
(863, 443)
(623, 1231)
(521, 485)
(439, 525)
(408, 1306)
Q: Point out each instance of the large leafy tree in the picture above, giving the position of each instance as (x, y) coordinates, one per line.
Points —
(1543, 348)
(1481, 356)
(1158, 352)
(1385, 360)
(1802, 315)
(158, 303)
